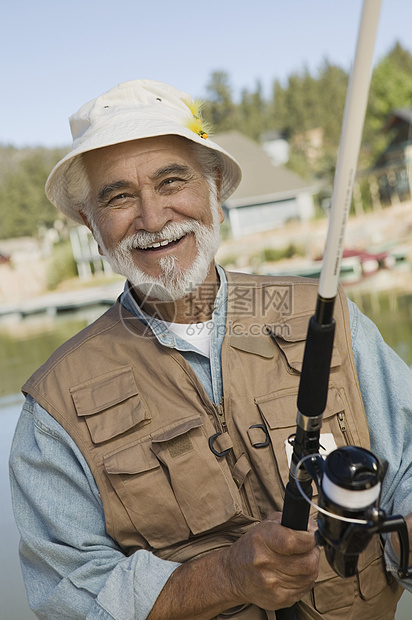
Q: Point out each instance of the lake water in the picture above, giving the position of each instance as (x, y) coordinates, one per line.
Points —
(23, 347)
(27, 344)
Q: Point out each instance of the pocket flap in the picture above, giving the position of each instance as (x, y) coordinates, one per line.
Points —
(290, 337)
(133, 459)
(110, 404)
(293, 329)
(277, 408)
(257, 344)
(104, 391)
(176, 430)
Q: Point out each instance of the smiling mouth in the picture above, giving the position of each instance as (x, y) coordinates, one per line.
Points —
(160, 245)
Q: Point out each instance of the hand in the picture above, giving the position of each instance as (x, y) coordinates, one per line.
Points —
(273, 566)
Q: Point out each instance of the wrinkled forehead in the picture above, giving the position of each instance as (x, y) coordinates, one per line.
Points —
(163, 146)
(147, 157)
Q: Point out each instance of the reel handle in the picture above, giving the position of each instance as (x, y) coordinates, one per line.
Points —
(397, 523)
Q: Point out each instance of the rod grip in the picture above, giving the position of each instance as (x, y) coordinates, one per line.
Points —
(296, 509)
(313, 386)
(287, 613)
(295, 516)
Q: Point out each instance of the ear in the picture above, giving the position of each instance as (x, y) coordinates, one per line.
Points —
(85, 219)
(218, 194)
(218, 183)
(221, 214)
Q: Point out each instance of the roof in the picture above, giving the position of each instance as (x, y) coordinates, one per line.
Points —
(400, 114)
(261, 180)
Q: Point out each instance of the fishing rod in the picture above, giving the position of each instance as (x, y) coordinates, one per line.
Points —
(313, 386)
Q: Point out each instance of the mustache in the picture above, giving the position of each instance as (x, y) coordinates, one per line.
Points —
(172, 231)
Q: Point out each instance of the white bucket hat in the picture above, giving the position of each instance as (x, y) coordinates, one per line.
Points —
(131, 111)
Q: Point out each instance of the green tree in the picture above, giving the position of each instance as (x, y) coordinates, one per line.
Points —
(309, 103)
(253, 113)
(278, 111)
(219, 109)
(332, 85)
(391, 88)
(24, 207)
(391, 85)
(299, 103)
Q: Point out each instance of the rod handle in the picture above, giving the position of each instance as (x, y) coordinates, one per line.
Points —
(314, 381)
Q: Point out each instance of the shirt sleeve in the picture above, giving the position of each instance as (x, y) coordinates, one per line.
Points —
(69, 562)
(386, 386)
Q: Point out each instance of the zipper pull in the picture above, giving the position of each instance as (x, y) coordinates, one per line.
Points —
(342, 426)
(220, 410)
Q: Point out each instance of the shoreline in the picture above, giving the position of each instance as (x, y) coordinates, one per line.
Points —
(23, 292)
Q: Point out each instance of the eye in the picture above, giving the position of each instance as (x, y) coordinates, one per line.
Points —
(172, 184)
(120, 199)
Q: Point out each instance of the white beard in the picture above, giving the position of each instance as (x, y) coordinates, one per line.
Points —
(173, 283)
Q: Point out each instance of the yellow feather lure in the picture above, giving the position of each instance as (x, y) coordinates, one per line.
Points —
(196, 122)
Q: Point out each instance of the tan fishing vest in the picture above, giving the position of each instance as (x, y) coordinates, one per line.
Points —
(180, 476)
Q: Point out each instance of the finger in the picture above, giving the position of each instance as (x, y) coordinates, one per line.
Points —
(285, 541)
(305, 567)
(275, 516)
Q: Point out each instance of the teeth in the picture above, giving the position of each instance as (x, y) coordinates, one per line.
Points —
(159, 244)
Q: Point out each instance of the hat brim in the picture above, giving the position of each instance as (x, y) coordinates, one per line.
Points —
(125, 131)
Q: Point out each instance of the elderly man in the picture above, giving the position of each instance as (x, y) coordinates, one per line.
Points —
(149, 462)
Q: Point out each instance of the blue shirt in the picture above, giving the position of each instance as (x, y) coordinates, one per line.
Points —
(208, 370)
(68, 560)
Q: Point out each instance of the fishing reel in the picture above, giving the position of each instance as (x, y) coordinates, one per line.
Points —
(349, 485)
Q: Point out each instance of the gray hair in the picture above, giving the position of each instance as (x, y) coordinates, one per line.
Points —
(78, 184)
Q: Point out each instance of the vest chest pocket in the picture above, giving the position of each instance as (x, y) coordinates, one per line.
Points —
(290, 339)
(110, 404)
(172, 486)
(279, 413)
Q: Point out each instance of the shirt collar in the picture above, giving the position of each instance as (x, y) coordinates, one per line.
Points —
(159, 328)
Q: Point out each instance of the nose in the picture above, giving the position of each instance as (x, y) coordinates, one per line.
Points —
(153, 214)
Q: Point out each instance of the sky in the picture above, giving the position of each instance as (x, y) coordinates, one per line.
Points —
(58, 54)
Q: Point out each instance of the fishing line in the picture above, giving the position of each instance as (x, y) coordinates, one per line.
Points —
(319, 508)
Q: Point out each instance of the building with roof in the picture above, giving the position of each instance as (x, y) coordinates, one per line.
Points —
(398, 124)
(393, 168)
(268, 196)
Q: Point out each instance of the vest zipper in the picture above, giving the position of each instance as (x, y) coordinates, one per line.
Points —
(231, 460)
(343, 428)
(221, 416)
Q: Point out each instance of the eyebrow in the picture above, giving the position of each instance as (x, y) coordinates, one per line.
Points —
(171, 169)
(112, 187)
